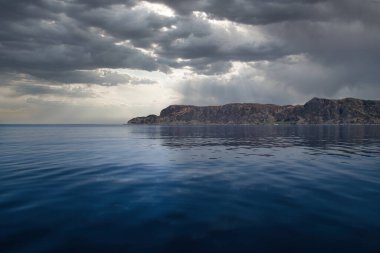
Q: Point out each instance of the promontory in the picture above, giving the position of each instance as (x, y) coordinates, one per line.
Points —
(315, 111)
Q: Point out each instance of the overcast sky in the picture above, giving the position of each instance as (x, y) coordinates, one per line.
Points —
(106, 61)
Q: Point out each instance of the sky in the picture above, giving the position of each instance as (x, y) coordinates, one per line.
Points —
(106, 61)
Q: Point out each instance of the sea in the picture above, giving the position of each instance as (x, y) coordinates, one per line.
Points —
(231, 188)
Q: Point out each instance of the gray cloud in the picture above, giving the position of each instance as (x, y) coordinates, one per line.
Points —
(340, 40)
(40, 38)
(300, 48)
(21, 90)
(235, 89)
(261, 12)
(90, 77)
(142, 27)
(62, 36)
(99, 77)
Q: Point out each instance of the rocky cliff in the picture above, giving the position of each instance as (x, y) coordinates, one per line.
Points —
(315, 111)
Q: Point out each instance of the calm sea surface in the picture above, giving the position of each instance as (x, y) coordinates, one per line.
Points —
(210, 189)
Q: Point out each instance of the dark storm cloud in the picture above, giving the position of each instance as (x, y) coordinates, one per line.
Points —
(24, 9)
(341, 29)
(340, 41)
(252, 11)
(58, 37)
(138, 25)
(205, 47)
(58, 41)
(30, 45)
(184, 37)
(259, 12)
(40, 38)
(102, 3)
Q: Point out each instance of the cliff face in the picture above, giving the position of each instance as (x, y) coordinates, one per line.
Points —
(315, 111)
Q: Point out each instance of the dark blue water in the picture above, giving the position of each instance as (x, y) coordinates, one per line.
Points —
(189, 189)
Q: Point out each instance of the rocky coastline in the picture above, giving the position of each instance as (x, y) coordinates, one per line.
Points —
(315, 111)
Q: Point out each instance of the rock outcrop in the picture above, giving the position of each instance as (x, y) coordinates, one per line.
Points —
(315, 111)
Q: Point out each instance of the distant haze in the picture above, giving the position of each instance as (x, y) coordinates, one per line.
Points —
(95, 61)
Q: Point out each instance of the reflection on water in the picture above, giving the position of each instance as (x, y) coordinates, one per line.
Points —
(268, 136)
(190, 188)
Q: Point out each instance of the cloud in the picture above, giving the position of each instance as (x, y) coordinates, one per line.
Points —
(41, 39)
(289, 80)
(262, 12)
(244, 84)
(290, 50)
(103, 77)
(140, 25)
(73, 92)
(77, 35)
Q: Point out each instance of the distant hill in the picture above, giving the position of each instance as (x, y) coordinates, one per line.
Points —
(315, 111)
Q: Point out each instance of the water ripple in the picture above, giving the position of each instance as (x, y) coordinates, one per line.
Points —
(189, 188)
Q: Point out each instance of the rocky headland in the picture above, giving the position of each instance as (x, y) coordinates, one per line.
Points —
(315, 111)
